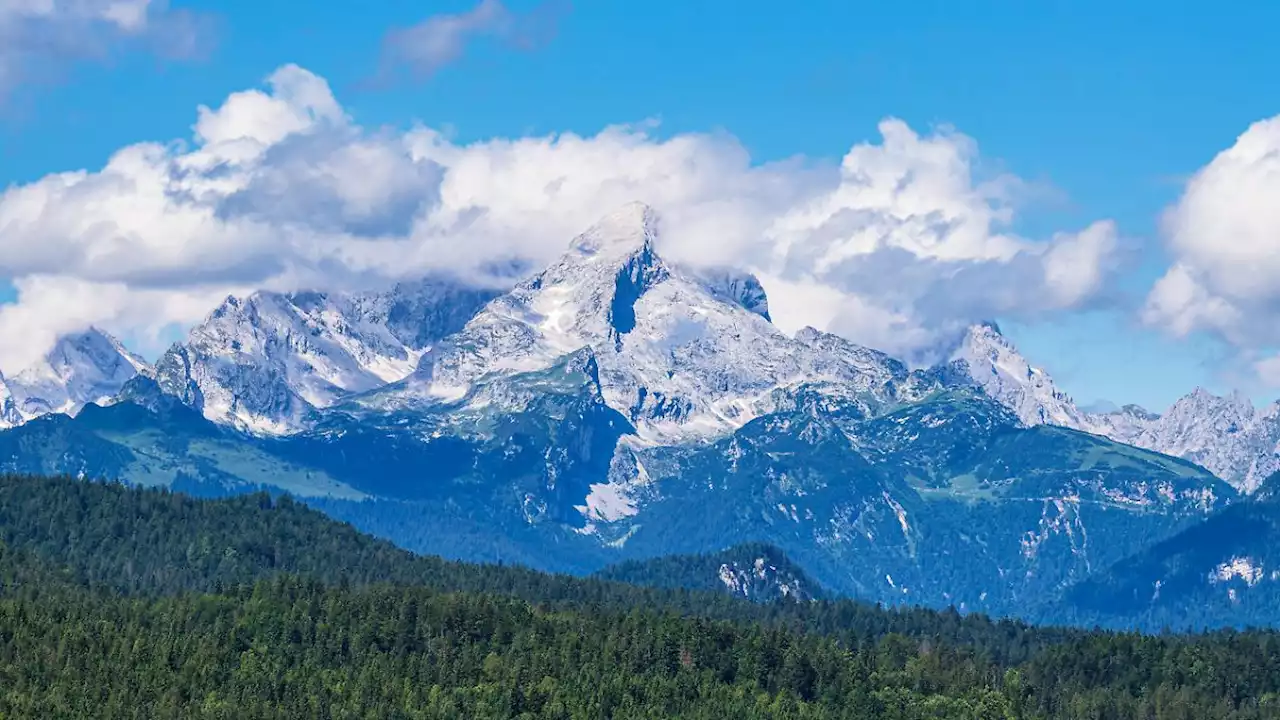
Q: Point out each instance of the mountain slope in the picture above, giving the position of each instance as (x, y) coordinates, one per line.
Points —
(1223, 571)
(166, 445)
(945, 501)
(151, 541)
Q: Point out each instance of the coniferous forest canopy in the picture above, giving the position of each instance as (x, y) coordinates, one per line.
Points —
(122, 602)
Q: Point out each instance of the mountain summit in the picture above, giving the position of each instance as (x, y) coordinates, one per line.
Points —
(628, 230)
(1000, 370)
(85, 367)
(683, 353)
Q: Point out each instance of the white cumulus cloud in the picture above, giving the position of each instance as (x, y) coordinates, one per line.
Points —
(1224, 236)
(900, 246)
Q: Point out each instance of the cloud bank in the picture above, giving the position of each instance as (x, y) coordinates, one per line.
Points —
(38, 36)
(899, 247)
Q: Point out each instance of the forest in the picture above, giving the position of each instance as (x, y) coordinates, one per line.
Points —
(131, 603)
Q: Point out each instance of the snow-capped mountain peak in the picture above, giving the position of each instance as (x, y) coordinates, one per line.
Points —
(85, 367)
(683, 354)
(997, 366)
(628, 230)
(92, 349)
(605, 272)
(264, 363)
(1226, 435)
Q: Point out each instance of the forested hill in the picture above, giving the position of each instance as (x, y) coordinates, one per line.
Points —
(129, 603)
(754, 571)
(152, 541)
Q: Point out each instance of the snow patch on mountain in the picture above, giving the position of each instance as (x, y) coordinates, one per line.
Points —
(1243, 568)
(627, 485)
(608, 502)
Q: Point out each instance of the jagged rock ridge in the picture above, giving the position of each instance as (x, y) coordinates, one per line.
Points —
(265, 363)
(1227, 435)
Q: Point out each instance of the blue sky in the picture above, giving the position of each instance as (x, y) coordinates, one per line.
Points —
(1112, 106)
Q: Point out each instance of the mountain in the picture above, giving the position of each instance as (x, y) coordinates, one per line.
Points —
(670, 341)
(1000, 370)
(265, 363)
(1103, 407)
(616, 406)
(944, 501)
(81, 368)
(686, 354)
(1225, 435)
(755, 571)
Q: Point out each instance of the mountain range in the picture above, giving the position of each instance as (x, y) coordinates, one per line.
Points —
(616, 406)
(1226, 435)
